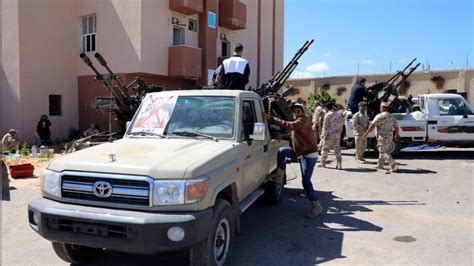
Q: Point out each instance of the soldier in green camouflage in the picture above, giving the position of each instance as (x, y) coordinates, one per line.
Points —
(386, 125)
(360, 123)
(331, 135)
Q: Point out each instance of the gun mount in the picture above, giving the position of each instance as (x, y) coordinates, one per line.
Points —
(121, 103)
(388, 91)
(274, 101)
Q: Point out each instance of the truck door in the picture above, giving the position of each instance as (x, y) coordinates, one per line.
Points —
(455, 120)
(253, 152)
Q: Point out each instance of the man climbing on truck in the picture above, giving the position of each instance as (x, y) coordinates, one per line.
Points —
(303, 146)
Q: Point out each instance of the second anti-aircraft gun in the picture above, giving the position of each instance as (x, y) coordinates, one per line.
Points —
(388, 91)
(122, 103)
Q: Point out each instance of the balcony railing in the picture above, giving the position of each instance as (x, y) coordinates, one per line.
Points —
(232, 15)
(188, 7)
(184, 61)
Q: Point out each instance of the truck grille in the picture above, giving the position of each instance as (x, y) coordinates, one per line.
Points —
(90, 228)
(124, 191)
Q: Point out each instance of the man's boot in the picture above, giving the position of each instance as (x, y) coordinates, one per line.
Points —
(322, 164)
(393, 168)
(339, 165)
(316, 209)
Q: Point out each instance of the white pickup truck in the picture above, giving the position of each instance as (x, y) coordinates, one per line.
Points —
(445, 118)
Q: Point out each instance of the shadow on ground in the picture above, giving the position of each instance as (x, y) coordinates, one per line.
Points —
(279, 234)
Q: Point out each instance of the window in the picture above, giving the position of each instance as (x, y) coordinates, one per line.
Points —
(88, 34)
(55, 108)
(178, 35)
(193, 25)
(248, 119)
(225, 47)
(453, 107)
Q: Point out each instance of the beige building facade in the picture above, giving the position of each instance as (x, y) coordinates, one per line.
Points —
(171, 43)
(420, 82)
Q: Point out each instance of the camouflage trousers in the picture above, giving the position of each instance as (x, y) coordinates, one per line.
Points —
(328, 143)
(383, 145)
(360, 146)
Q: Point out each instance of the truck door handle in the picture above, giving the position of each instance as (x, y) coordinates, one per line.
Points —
(248, 157)
(265, 148)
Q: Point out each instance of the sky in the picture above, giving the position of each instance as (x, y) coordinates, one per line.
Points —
(376, 36)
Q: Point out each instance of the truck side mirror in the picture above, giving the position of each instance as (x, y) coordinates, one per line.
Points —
(258, 131)
(127, 125)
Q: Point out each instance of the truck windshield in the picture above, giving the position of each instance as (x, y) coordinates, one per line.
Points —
(196, 115)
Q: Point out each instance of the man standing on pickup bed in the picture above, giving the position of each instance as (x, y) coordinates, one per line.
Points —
(386, 124)
(303, 146)
(235, 71)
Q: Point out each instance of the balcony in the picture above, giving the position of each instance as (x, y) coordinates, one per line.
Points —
(232, 15)
(188, 7)
(184, 61)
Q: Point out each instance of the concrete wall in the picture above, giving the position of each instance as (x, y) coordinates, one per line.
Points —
(118, 34)
(420, 83)
(47, 64)
(11, 113)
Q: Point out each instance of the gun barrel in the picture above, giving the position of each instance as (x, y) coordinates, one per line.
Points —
(88, 62)
(280, 77)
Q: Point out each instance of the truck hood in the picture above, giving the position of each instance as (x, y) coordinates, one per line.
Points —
(156, 158)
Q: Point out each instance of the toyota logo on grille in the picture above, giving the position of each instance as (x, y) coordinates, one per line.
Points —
(102, 189)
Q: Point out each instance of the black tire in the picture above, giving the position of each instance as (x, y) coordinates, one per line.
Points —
(274, 191)
(396, 147)
(216, 248)
(74, 253)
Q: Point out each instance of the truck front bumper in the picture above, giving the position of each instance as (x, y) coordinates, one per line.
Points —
(127, 231)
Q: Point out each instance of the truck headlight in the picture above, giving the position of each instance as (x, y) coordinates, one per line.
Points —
(168, 192)
(179, 191)
(51, 183)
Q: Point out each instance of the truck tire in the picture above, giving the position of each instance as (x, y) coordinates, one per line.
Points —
(74, 253)
(396, 148)
(215, 249)
(274, 191)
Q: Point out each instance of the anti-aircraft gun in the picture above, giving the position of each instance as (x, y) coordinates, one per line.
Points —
(274, 100)
(388, 91)
(121, 103)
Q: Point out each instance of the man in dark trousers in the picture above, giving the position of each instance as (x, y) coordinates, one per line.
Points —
(358, 92)
(235, 71)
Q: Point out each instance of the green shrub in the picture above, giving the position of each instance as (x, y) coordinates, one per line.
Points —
(322, 96)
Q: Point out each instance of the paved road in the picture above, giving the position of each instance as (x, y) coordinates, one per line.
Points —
(422, 215)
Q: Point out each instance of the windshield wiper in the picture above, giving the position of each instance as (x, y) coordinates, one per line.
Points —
(193, 134)
(144, 133)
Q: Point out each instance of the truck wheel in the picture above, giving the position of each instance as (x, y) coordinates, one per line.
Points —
(74, 253)
(215, 249)
(394, 148)
(274, 191)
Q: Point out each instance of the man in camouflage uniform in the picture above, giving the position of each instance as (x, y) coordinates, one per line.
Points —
(360, 123)
(386, 124)
(317, 120)
(331, 135)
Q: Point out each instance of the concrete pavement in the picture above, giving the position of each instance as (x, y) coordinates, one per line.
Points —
(422, 215)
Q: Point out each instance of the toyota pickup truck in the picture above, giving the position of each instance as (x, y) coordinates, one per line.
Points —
(445, 118)
(190, 163)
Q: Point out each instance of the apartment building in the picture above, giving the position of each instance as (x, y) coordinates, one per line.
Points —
(171, 43)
